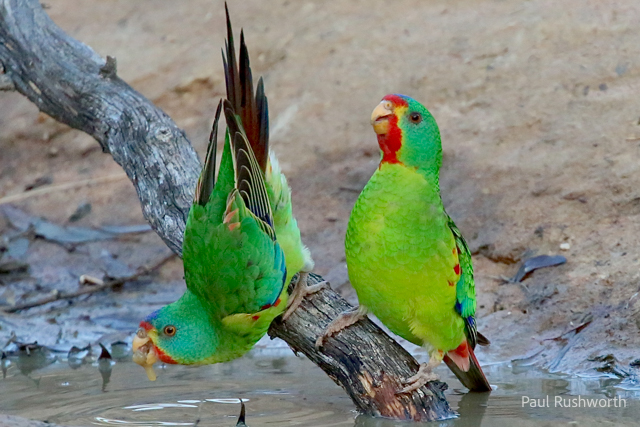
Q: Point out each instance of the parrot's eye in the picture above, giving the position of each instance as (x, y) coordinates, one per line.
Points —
(415, 117)
(169, 330)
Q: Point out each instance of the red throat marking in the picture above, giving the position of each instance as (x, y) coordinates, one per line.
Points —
(164, 357)
(456, 269)
(391, 142)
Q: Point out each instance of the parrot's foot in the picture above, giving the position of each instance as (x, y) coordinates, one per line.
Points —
(300, 291)
(341, 322)
(424, 375)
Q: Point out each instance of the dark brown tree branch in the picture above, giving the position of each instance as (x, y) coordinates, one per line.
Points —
(70, 82)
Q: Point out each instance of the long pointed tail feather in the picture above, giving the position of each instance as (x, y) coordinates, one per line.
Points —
(251, 109)
(249, 178)
(206, 182)
(473, 379)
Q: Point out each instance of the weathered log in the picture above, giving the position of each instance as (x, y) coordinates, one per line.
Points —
(362, 359)
(71, 83)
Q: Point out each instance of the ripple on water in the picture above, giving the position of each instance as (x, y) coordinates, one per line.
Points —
(284, 391)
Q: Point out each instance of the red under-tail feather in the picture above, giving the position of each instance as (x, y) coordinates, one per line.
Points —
(472, 377)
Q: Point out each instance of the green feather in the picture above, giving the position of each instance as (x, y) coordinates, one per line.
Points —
(235, 267)
(252, 121)
(465, 288)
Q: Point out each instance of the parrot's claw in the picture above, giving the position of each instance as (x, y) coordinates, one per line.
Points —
(300, 291)
(422, 377)
(341, 322)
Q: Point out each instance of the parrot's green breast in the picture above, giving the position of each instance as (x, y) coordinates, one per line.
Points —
(401, 256)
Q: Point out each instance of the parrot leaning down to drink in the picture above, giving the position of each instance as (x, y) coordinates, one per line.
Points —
(241, 243)
(407, 260)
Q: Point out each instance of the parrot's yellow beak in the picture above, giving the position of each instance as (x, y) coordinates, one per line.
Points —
(380, 117)
(144, 353)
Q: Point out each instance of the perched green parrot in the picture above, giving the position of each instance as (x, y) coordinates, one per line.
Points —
(407, 260)
(241, 243)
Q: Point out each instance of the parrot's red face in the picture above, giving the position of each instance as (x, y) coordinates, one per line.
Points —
(384, 120)
(407, 133)
(145, 351)
(175, 334)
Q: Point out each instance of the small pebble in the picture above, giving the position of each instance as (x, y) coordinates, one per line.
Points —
(565, 246)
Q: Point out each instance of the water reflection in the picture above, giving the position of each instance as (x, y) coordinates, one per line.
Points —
(156, 406)
(277, 390)
(78, 356)
(120, 351)
(110, 422)
(32, 357)
(4, 364)
(105, 366)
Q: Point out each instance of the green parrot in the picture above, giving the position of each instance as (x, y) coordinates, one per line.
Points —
(407, 260)
(241, 243)
(233, 264)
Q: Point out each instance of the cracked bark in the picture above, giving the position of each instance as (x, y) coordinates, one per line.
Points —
(70, 82)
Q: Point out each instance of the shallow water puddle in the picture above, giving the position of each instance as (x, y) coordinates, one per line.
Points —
(280, 389)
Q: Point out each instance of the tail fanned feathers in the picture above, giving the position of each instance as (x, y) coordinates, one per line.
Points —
(250, 120)
(252, 111)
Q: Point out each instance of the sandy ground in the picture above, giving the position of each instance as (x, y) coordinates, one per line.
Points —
(539, 112)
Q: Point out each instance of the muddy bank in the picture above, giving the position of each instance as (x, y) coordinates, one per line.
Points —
(539, 114)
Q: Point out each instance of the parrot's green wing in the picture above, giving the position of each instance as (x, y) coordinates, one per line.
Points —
(234, 267)
(248, 176)
(232, 261)
(252, 119)
(465, 289)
